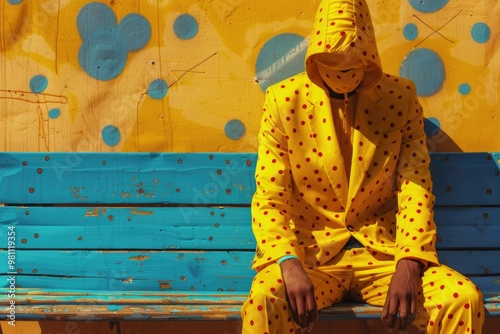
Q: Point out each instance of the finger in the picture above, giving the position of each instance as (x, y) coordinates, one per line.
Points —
(393, 314)
(404, 312)
(293, 309)
(312, 308)
(302, 313)
(385, 311)
(413, 309)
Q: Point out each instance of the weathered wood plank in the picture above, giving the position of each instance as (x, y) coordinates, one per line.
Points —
(141, 271)
(110, 312)
(466, 178)
(174, 271)
(468, 227)
(139, 178)
(151, 228)
(199, 178)
(178, 307)
(198, 228)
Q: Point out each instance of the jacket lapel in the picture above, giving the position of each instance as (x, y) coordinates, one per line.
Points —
(370, 119)
(326, 142)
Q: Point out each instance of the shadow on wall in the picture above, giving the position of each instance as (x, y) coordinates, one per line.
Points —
(437, 139)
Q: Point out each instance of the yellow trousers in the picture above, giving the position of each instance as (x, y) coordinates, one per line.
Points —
(448, 302)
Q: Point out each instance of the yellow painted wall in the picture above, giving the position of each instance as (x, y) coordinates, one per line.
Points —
(176, 75)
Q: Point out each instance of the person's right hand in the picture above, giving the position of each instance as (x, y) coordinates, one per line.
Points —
(300, 293)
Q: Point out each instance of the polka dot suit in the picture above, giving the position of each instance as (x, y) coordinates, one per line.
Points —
(308, 206)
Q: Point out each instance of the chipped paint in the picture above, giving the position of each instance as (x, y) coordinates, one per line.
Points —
(92, 212)
(139, 258)
(135, 211)
(76, 190)
(165, 286)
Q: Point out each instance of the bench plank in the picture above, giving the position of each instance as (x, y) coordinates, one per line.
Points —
(110, 312)
(49, 304)
(152, 228)
(223, 178)
(175, 271)
(133, 178)
(195, 228)
(466, 179)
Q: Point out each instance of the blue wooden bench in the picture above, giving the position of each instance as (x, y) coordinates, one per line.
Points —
(133, 236)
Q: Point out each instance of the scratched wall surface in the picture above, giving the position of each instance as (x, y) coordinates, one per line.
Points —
(176, 75)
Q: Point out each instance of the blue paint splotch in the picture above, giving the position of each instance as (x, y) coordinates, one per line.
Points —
(158, 89)
(481, 32)
(111, 135)
(186, 27)
(281, 57)
(235, 129)
(54, 113)
(14, 2)
(410, 32)
(106, 44)
(464, 89)
(426, 68)
(428, 6)
(38, 84)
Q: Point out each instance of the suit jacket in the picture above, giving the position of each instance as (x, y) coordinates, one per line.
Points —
(304, 204)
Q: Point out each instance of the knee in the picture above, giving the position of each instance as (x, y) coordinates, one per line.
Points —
(469, 298)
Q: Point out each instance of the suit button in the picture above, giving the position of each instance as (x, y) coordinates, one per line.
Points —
(350, 228)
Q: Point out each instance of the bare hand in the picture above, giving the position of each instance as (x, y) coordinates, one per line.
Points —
(300, 293)
(403, 293)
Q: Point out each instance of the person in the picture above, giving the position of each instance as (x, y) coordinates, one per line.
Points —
(343, 202)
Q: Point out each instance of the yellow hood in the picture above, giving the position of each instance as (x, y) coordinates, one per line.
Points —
(343, 30)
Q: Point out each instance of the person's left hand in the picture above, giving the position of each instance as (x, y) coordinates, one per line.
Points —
(403, 293)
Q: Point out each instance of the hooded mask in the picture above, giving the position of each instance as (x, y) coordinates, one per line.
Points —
(343, 52)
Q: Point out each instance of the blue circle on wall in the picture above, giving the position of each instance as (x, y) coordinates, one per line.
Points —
(481, 32)
(428, 6)
(281, 57)
(54, 113)
(426, 69)
(410, 31)
(38, 84)
(15, 2)
(432, 126)
(464, 89)
(235, 129)
(135, 30)
(111, 135)
(158, 89)
(185, 26)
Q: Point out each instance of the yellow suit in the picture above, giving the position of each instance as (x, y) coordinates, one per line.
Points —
(308, 205)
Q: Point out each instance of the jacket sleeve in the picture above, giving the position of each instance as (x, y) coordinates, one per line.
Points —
(270, 217)
(416, 230)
